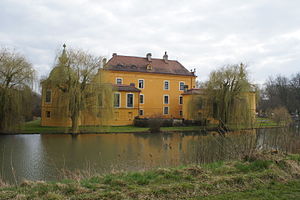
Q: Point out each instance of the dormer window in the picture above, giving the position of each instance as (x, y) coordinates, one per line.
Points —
(119, 81)
(149, 67)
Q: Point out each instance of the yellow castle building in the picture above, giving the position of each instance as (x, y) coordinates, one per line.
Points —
(144, 87)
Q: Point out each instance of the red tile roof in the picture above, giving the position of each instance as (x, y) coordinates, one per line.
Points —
(194, 91)
(127, 88)
(139, 64)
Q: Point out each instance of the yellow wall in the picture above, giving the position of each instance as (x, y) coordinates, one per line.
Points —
(153, 90)
(121, 116)
(189, 100)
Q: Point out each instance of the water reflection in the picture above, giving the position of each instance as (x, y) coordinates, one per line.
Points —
(42, 157)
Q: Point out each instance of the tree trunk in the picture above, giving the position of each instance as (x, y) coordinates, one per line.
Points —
(75, 122)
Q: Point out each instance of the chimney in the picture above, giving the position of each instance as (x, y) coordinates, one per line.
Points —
(114, 54)
(165, 57)
(148, 56)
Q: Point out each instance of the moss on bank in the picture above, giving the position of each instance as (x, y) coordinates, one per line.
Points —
(260, 176)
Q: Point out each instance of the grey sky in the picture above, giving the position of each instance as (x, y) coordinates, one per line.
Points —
(201, 34)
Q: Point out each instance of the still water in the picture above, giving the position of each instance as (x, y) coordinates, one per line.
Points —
(45, 157)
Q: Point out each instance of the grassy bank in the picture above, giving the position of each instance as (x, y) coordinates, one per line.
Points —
(261, 176)
(34, 127)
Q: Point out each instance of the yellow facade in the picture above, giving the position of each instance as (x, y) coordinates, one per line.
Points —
(190, 98)
(51, 116)
(154, 91)
(155, 84)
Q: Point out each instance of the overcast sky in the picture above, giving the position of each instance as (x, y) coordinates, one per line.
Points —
(201, 34)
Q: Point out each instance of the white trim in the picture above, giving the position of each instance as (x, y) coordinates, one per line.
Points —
(127, 100)
(142, 112)
(119, 99)
(166, 95)
(143, 98)
(164, 110)
(183, 85)
(180, 96)
(139, 83)
(119, 78)
(168, 85)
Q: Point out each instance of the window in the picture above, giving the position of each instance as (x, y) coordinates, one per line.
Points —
(180, 100)
(166, 85)
(100, 100)
(181, 85)
(166, 110)
(119, 81)
(141, 83)
(141, 112)
(166, 99)
(180, 112)
(117, 100)
(129, 100)
(141, 99)
(48, 96)
(48, 114)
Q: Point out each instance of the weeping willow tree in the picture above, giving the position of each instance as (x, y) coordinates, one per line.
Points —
(16, 77)
(79, 87)
(227, 90)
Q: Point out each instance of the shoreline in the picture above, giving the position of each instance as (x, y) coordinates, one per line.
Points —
(193, 129)
(263, 175)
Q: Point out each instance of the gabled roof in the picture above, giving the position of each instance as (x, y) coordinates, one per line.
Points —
(141, 64)
(194, 91)
(127, 88)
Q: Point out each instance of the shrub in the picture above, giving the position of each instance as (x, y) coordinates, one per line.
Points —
(155, 124)
(281, 116)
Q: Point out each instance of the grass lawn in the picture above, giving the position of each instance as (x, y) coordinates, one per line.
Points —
(265, 176)
(34, 127)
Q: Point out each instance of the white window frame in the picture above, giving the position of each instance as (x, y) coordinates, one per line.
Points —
(139, 83)
(165, 85)
(48, 90)
(183, 85)
(119, 78)
(180, 103)
(142, 112)
(143, 98)
(119, 99)
(164, 110)
(127, 100)
(166, 95)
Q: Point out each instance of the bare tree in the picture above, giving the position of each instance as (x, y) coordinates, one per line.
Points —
(78, 79)
(16, 77)
(226, 90)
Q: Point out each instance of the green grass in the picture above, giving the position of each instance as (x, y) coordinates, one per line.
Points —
(262, 178)
(34, 127)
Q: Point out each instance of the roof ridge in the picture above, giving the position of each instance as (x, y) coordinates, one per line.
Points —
(146, 58)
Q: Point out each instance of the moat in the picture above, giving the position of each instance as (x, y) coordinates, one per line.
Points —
(46, 157)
